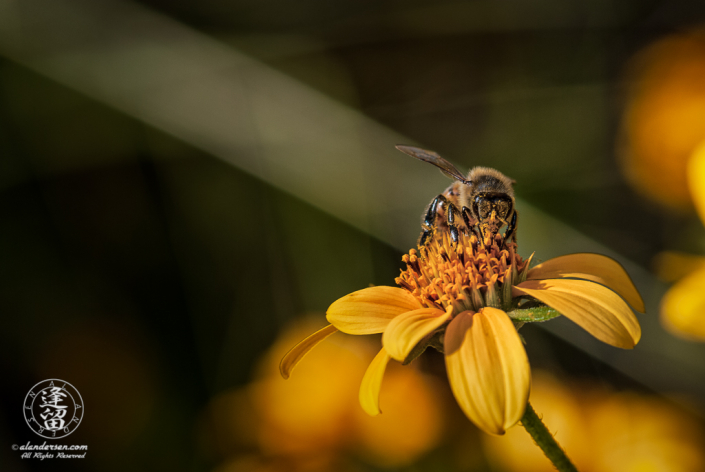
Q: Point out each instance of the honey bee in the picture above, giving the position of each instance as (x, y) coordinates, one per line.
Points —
(483, 201)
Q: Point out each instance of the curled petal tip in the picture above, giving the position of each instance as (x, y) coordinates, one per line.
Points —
(292, 358)
(283, 370)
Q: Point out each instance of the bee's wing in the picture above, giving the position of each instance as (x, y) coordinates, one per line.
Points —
(433, 158)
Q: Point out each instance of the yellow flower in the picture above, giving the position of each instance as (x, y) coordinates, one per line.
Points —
(664, 119)
(413, 421)
(663, 154)
(683, 306)
(564, 412)
(314, 422)
(604, 431)
(464, 300)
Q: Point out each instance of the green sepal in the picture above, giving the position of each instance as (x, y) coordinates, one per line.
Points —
(532, 315)
(492, 297)
(525, 272)
(478, 300)
(506, 291)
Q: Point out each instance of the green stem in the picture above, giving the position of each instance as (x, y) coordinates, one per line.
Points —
(545, 440)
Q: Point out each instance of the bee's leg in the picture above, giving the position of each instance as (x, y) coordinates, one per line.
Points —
(453, 213)
(511, 231)
(467, 218)
(429, 221)
(425, 235)
(465, 212)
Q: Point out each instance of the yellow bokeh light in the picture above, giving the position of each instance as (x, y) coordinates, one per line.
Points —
(696, 178)
(603, 431)
(312, 409)
(314, 418)
(671, 266)
(515, 451)
(665, 117)
(411, 422)
(640, 433)
(683, 307)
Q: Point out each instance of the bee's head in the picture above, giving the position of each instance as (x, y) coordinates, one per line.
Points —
(492, 211)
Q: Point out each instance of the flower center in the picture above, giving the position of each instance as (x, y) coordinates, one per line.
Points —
(467, 276)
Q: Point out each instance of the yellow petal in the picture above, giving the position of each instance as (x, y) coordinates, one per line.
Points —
(596, 267)
(369, 311)
(487, 368)
(297, 352)
(696, 179)
(372, 383)
(683, 307)
(406, 330)
(596, 309)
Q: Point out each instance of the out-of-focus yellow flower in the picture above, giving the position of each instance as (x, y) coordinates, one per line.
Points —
(560, 409)
(664, 157)
(458, 296)
(259, 463)
(671, 266)
(665, 117)
(413, 419)
(605, 432)
(314, 412)
(683, 307)
(314, 420)
(633, 433)
(696, 177)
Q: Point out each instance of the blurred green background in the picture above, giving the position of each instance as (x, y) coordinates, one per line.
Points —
(181, 181)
